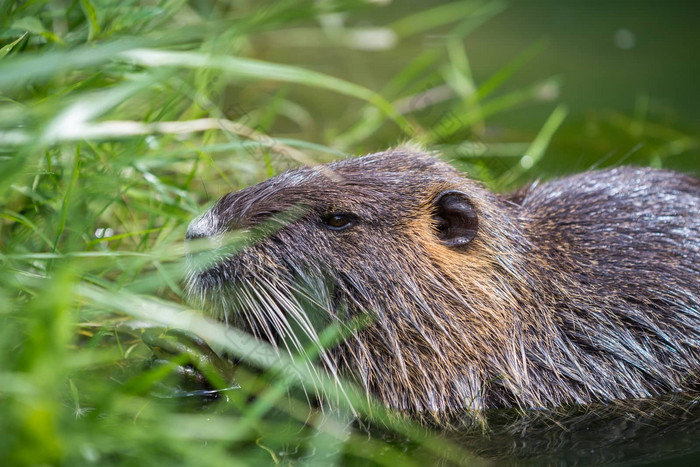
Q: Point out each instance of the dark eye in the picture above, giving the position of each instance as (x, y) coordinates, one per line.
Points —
(338, 221)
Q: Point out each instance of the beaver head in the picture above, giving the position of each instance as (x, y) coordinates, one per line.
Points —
(400, 238)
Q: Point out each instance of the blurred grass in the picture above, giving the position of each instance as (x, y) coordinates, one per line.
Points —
(120, 120)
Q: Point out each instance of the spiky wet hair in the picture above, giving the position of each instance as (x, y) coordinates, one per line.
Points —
(576, 290)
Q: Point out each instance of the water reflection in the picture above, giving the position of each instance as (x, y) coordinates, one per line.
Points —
(664, 429)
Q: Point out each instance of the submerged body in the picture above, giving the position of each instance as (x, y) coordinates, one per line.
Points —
(578, 290)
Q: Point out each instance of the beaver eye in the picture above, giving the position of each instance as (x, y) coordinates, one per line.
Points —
(338, 221)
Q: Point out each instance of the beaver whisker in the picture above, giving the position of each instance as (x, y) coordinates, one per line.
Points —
(264, 304)
(294, 292)
(255, 314)
(281, 306)
(263, 307)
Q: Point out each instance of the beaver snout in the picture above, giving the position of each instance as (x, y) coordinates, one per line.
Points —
(231, 212)
(202, 226)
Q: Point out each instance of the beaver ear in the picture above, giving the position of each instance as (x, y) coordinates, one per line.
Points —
(457, 222)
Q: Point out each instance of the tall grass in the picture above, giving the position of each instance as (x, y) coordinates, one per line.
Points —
(119, 121)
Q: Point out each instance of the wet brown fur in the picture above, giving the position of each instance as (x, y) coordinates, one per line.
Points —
(577, 290)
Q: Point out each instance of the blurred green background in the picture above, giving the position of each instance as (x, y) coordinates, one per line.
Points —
(121, 120)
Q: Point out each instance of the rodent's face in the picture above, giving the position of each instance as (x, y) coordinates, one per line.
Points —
(342, 239)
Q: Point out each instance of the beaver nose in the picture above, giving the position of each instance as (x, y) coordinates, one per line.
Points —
(202, 226)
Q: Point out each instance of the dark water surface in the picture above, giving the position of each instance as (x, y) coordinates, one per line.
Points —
(662, 432)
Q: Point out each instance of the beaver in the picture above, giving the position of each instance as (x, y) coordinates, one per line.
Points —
(578, 290)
